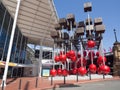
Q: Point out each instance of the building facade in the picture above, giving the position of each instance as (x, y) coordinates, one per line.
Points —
(18, 52)
(35, 21)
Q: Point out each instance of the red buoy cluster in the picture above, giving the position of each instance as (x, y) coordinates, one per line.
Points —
(79, 65)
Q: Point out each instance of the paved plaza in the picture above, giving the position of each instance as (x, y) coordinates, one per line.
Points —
(44, 83)
(102, 85)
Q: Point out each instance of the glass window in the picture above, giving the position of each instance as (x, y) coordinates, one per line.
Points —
(18, 50)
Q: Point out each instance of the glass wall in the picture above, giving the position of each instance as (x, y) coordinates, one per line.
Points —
(18, 52)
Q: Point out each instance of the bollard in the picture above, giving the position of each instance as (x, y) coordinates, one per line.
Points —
(3, 85)
(89, 75)
(36, 85)
(51, 80)
(119, 73)
(77, 77)
(103, 76)
(64, 80)
(19, 88)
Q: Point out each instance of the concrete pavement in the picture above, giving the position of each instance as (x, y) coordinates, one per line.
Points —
(102, 85)
(43, 83)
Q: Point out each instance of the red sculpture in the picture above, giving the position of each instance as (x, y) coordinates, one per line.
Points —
(64, 72)
(59, 71)
(57, 59)
(91, 43)
(53, 72)
(82, 71)
(62, 58)
(92, 68)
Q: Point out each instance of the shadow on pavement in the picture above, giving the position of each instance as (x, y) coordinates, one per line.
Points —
(68, 85)
(26, 86)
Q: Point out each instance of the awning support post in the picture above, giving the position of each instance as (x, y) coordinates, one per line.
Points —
(40, 59)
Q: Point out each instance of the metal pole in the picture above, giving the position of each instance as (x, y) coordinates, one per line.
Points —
(102, 53)
(115, 35)
(101, 45)
(89, 75)
(91, 54)
(3, 86)
(10, 44)
(77, 76)
(89, 24)
(71, 29)
(51, 80)
(103, 76)
(20, 82)
(81, 54)
(64, 80)
(40, 59)
(36, 85)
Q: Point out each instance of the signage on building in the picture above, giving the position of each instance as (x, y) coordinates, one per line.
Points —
(46, 72)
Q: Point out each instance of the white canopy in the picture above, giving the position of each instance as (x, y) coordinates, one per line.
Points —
(36, 19)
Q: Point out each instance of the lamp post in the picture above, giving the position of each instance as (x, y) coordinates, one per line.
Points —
(115, 35)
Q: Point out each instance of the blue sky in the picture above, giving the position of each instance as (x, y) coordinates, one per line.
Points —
(107, 9)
